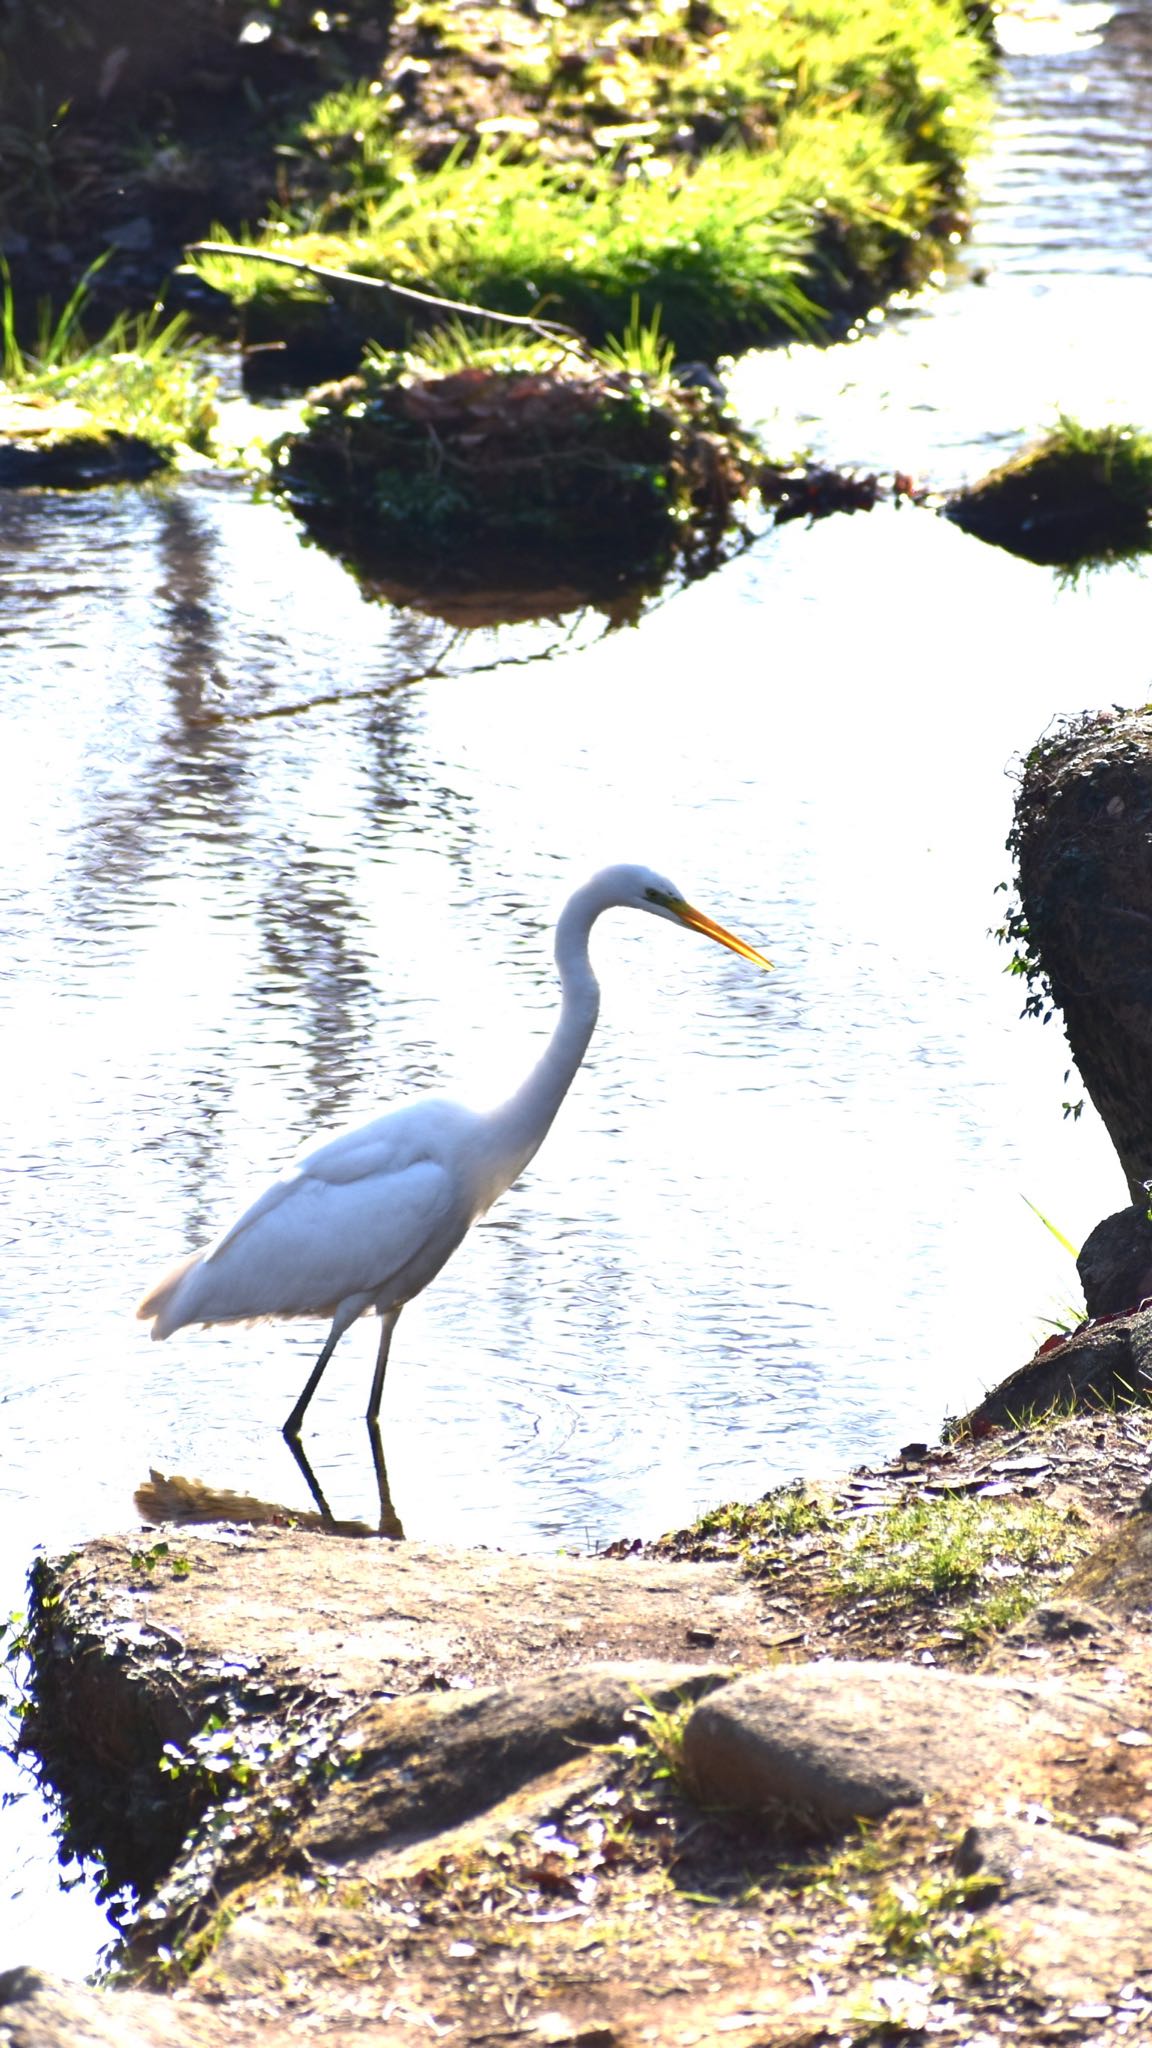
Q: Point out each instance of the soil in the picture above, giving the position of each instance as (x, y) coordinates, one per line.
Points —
(132, 131)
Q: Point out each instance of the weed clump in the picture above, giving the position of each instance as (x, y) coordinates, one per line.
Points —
(1079, 498)
(133, 397)
(755, 1533)
(459, 447)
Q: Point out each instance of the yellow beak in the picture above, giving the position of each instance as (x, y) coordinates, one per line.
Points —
(696, 921)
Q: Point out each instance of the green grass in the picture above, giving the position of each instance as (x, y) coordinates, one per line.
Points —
(594, 74)
(986, 1561)
(1124, 453)
(523, 240)
(139, 378)
(932, 1925)
(462, 345)
(754, 1531)
(924, 1927)
(640, 351)
(1078, 499)
(658, 1750)
(836, 135)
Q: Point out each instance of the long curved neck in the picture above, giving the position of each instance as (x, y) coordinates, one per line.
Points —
(524, 1121)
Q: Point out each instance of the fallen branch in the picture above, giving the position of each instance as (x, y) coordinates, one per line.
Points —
(547, 330)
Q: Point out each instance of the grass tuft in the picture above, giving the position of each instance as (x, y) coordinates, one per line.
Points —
(139, 378)
(985, 1559)
(758, 1531)
(1077, 499)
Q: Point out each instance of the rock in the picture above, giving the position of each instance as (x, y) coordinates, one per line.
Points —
(1082, 822)
(133, 235)
(426, 1764)
(851, 1741)
(406, 1809)
(60, 446)
(1106, 1365)
(356, 1620)
(1074, 1915)
(1115, 1262)
(37, 2011)
(1118, 1575)
(1058, 503)
(1065, 1620)
(286, 1634)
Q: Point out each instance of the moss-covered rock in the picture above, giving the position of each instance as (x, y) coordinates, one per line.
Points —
(64, 447)
(561, 463)
(1082, 495)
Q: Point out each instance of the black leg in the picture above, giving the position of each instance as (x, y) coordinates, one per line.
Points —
(390, 1525)
(292, 1426)
(388, 1322)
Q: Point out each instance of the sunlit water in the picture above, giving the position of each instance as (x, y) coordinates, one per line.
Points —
(779, 1226)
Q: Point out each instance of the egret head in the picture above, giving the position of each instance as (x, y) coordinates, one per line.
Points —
(656, 894)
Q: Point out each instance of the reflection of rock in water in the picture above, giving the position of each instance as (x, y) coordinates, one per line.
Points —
(504, 585)
(505, 598)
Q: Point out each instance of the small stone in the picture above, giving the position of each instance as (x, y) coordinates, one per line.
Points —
(1114, 1827)
(1021, 1465)
(558, 2032)
(132, 235)
(705, 1637)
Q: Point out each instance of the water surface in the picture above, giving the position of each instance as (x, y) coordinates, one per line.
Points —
(275, 857)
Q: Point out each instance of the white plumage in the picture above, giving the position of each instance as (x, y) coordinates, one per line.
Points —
(367, 1219)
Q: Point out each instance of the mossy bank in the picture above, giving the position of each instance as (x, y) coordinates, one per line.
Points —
(744, 172)
(750, 168)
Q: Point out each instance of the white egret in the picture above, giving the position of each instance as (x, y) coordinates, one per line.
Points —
(366, 1220)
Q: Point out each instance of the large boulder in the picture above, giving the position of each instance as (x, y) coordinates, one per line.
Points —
(1083, 845)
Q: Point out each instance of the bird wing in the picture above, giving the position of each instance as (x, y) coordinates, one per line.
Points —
(386, 1145)
(377, 1152)
(368, 1217)
(320, 1244)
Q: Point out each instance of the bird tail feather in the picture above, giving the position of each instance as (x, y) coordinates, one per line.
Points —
(159, 1305)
